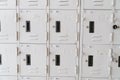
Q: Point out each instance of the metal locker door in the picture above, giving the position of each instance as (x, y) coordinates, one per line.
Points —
(7, 4)
(98, 4)
(96, 61)
(116, 61)
(8, 78)
(64, 4)
(117, 5)
(32, 4)
(94, 79)
(7, 26)
(62, 78)
(97, 27)
(33, 26)
(32, 78)
(116, 28)
(8, 60)
(33, 60)
(63, 60)
(63, 26)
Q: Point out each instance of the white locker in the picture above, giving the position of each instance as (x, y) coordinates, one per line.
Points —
(62, 78)
(94, 79)
(98, 4)
(8, 78)
(117, 4)
(32, 4)
(31, 78)
(116, 28)
(96, 61)
(8, 4)
(8, 59)
(33, 60)
(116, 61)
(63, 60)
(97, 27)
(115, 78)
(63, 26)
(8, 26)
(64, 4)
(33, 26)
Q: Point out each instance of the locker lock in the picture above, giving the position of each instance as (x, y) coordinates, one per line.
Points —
(115, 26)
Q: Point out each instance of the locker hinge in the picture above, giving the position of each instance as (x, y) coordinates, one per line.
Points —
(78, 18)
(78, 36)
(17, 17)
(16, 2)
(47, 36)
(47, 17)
(47, 51)
(77, 52)
(77, 69)
(47, 2)
(17, 51)
(78, 3)
(18, 68)
(47, 68)
(17, 35)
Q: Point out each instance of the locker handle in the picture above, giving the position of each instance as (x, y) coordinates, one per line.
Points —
(57, 60)
(28, 59)
(28, 26)
(91, 27)
(58, 26)
(115, 26)
(119, 61)
(90, 60)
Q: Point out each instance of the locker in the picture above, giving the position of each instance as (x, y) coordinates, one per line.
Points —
(63, 26)
(116, 28)
(33, 60)
(117, 5)
(32, 78)
(64, 4)
(60, 63)
(8, 60)
(62, 78)
(98, 4)
(97, 29)
(116, 61)
(32, 4)
(33, 26)
(96, 61)
(115, 78)
(94, 79)
(8, 77)
(7, 4)
(7, 26)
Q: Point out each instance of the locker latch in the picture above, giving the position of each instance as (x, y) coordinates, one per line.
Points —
(115, 27)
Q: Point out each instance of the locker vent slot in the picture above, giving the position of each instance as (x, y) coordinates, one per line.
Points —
(0, 59)
(119, 61)
(90, 60)
(32, 3)
(98, 2)
(64, 3)
(28, 59)
(27, 26)
(91, 27)
(57, 60)
(58, 26)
